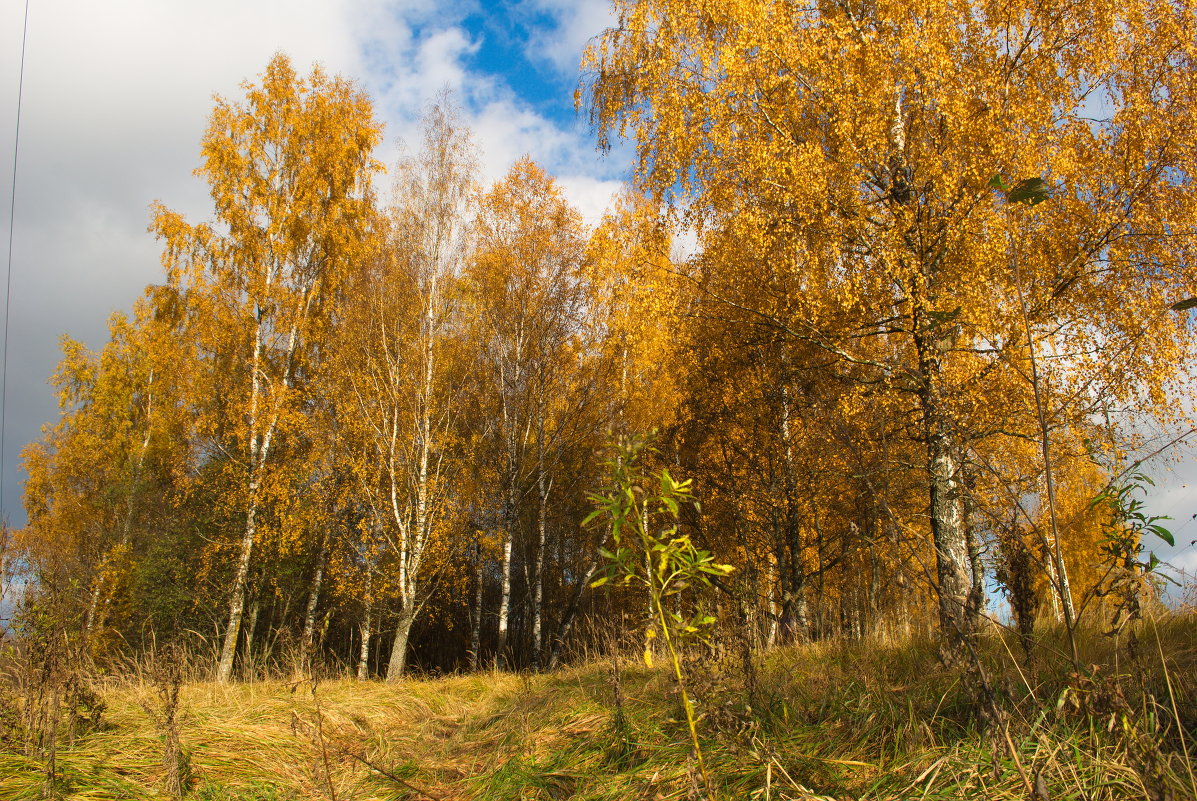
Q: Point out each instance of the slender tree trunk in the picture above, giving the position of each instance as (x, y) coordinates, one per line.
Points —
(542, 495)
(260, 436)
(820, 625)
(363, 653)
(571, 612)
(476, 631)
(324, 623)
(874, 582)
(224, 671)
(93, 603)
(514, 438)
(251, 630)
(976, 593)
(423, 513)
(1060, 582)
(501, 656)
(774, 609)
(510, 520)
(307, 646)
(795, 621)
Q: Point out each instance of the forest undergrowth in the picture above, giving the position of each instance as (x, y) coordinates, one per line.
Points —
(866, 719)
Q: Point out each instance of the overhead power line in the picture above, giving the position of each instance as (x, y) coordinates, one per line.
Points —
(12, 213)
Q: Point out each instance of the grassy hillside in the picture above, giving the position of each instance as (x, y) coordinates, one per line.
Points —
(862, 720)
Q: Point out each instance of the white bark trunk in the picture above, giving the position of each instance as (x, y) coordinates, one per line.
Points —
(363, 654)
(501, 656)
(946, 495)
(259, 450)
(307, 645)
(774, 608)
(542, 492)
(228, 652)
(795, 618)
(1059, 575)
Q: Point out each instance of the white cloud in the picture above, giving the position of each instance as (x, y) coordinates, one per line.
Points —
(116, 97)
(506, 130)
(578, 21)
(591, 196)
(1185, 561)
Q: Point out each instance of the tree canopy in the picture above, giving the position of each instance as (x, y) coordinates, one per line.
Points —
(943, 258)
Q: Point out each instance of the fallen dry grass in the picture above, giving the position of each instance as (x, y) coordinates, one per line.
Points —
(863, 720)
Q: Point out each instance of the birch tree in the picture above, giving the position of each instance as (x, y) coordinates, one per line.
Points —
(399, 357)
(290, 173)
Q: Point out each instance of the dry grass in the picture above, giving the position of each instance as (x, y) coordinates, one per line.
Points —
(863, 720)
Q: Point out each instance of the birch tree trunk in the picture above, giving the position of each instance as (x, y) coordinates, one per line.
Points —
(510, 500)
(507, 389)
(501, 656)
(774, 608)
(307, 646)
(946, 495)
(420, 531)
(474, 656)
(363, 652)
(1058, 572)
(414, 538)
(976, 593)
(542, 493)
(259, 451)
(224, 670)
(259, 448)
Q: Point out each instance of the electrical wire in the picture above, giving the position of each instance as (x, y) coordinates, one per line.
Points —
(12, 213)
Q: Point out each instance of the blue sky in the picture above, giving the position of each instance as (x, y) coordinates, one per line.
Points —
(506, 39)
